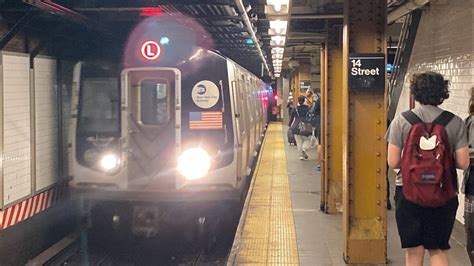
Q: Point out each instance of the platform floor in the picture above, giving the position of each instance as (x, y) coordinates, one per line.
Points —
(282, 225)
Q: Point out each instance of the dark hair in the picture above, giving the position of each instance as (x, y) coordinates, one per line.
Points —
(301, 99)
(429, 88)
(471, 102)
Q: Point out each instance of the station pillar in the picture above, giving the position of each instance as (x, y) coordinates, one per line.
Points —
(322, 137)
(332, 115)
(364, 124)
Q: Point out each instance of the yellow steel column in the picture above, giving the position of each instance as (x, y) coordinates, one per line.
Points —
(364, 149)
(334, 123)
(324, 113)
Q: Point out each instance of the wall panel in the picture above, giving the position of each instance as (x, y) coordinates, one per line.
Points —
(46, 122)
(16, 124)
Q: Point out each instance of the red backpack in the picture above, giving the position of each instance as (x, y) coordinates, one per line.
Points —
(427, 163)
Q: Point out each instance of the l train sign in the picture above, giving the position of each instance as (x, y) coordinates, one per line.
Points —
(150, 50)
(367, 71)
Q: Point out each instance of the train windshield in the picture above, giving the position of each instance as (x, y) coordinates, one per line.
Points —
(99, 102)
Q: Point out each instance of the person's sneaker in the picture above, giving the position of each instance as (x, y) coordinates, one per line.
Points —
(389, 205)
(302, 157)
(305, 155)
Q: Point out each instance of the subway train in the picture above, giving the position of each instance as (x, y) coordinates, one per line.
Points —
(169, 135)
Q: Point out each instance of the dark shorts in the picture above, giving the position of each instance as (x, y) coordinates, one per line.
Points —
(427, 227)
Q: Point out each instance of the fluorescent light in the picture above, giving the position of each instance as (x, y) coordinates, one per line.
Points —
(277, 56)
(277, 4)
(278, 50)
(278, 27)
(277, 61)
(277, 75)
(277, 40)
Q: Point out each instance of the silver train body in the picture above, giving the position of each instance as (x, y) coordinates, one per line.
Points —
(120, 150)
(170, 138)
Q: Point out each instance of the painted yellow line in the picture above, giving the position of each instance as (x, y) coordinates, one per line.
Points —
(268, 234)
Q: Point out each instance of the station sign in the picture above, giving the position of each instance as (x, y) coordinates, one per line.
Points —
(150, 50)
(367, 71)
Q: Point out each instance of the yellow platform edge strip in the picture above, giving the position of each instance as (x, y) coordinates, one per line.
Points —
(266, 233)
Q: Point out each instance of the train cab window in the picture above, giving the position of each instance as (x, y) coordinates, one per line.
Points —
(155, 102)
(99, 105)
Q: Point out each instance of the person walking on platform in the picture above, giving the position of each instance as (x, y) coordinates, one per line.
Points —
(434, 143)
(468, 183)
(297, 124)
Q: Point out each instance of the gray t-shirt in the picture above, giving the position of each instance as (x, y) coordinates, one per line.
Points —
(398, 131)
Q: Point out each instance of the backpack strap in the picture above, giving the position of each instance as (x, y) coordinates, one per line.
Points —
(411, 117)
(444, 118)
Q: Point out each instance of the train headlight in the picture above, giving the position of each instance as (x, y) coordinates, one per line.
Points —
(109, 161)
(194, 163)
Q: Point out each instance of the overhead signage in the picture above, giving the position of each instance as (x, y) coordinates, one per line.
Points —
(367, 71)
(150, 50)
(205, 94)
(305, 85)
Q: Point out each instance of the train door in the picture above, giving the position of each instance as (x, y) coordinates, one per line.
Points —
(152, 126)
(247, 121)
(238, 121)
(250, 121)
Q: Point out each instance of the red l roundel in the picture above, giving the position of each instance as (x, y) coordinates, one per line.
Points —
(150, 50)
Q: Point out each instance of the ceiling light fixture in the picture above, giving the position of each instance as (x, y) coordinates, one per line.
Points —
(277, 56)
(277, 4)
(278, 50)
(277, 40)
(278, 27)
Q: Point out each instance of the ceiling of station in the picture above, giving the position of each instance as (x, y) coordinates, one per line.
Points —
(81, 21)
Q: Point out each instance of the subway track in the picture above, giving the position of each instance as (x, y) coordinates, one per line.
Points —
(175, 247)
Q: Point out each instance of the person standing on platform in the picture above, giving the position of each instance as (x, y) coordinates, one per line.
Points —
(309, 97)
(424, 227)
(302, 138)
(468, 183)
(289, 104)
(314, 116)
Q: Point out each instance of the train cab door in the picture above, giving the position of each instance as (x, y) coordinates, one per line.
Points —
(245, 124)
(239, 124)
(152, 126)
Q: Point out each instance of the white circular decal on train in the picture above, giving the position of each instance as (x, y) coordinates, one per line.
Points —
(205, 94)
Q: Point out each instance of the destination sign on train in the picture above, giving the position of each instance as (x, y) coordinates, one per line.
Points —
(367, 71)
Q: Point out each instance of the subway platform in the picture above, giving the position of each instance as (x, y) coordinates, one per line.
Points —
(281, 223)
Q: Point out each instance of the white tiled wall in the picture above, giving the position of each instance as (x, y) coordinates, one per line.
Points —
(16, 138)
(445, 44)
(46, 122)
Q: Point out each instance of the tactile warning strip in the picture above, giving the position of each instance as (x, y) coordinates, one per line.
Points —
(268, 234)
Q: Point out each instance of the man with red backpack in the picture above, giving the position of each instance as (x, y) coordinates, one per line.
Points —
(427, 144)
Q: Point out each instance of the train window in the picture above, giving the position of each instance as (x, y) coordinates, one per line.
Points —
(154, 102)
(99, 105)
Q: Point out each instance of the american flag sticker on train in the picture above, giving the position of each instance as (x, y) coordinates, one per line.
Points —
(205, 120)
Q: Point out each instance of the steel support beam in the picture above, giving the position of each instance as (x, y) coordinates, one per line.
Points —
(64, 12)
(333, 138)
(323, 138)
(316, 16)
(405, 9)
(364, 149)
(248, 24)
(22, 22)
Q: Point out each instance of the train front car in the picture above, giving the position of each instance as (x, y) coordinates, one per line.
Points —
(165, 135)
